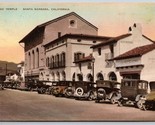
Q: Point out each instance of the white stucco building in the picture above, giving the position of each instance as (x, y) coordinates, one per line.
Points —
(34, 41)
(69, 48)
(137, 63)
(63, 56)
(104, 66)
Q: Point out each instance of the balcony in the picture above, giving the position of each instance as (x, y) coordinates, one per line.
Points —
(56, 65)
(109, 56)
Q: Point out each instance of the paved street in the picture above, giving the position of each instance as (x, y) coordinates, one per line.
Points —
(18, 105)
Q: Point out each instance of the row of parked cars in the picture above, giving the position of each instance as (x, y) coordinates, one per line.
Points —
(130, 91)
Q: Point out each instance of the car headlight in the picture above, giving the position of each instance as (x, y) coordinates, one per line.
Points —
(95, 85)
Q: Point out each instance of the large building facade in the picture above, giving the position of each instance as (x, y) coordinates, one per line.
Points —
(35, 61)
(63, 56)
(69, 48)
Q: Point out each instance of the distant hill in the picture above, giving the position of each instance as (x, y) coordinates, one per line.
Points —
(11, 67)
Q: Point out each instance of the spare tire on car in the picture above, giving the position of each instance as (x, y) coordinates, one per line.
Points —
(79, 91)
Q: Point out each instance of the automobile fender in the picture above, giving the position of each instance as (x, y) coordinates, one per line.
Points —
(111, 94)
(138, 97)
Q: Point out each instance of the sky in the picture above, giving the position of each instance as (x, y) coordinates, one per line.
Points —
(112, 19)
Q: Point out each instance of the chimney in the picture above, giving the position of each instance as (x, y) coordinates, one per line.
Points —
(136, 29)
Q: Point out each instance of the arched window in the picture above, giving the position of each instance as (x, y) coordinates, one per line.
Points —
(37, 57)
(80, 77)
(90, 77)
(29, 60)
(58, 76)
(47, 61)
(52, 76)
(78, 56)
(53, 61)
(57, 60)
(100, 76)
(63, 76)
(33, 59)
(112, 76)
(63, 60)
(73, 77)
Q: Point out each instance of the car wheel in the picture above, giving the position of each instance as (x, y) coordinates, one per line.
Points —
(79, 91)
(139, 104)
(68, 92)
(97, 101)
(101, 94)
(113, 99)
(91, 96)
(38, 91)
(43, 90)
(120, 102)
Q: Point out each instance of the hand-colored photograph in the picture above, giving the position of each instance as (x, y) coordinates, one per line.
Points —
(77, 61)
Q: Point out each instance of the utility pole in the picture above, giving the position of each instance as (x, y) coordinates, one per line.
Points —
(6, 69)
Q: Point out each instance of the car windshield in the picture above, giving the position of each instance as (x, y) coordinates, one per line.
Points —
(117, 85)
(152, 86)
(128, 83)
(47, 83)
(142, 85)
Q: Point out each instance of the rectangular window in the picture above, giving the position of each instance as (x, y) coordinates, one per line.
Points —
(112, 50)
(99, 51)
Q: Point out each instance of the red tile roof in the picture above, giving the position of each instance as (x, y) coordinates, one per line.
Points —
(136, 52)
(111, 40)
(85, 59)
(79, 36)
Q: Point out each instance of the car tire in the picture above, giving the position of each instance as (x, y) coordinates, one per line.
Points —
(139, 104)
(120, 102)
(103, 92)
(91, 96)
(38, 91)
(43, 90)
(68, 92)
(97, 101)
(79, 91)
(113, 99)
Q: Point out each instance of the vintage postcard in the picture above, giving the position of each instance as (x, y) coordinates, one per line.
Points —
(77, 61)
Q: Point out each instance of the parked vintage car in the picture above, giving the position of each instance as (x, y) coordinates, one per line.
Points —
(69, 91)
(8, 84)
(59, 88)
(31, 84)
(44, 87)
(108, 90)
(84, 90)
(149, 102)
(133, 90)
(1, 85)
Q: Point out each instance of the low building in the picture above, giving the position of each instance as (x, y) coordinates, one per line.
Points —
(21, 70)
(104, 66)
(137, 63)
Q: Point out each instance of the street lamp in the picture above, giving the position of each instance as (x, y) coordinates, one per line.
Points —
(93, 60)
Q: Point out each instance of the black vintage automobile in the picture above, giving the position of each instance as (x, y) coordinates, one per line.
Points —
(31, 84)
(84, 90)
(133, 91)
(1, 85)
(44, 87)
(108, 90)
(8, 84)
(149, 101)
(59, 88)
